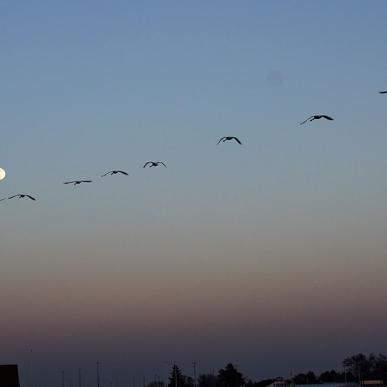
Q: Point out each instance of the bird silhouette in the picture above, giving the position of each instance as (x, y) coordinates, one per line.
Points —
(383, 92)
(317, 117)
(114, 173)
(21, 196)
(154, 164)
(228, 138)
(76, 182)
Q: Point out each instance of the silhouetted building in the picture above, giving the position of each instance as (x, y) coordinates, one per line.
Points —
(279, 382)
(329, 385)
(9, 375)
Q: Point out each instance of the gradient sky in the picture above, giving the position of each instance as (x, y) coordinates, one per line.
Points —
(271, 255)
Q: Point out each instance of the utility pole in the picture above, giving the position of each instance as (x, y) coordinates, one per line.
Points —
(98, 374)
(29, 366)
(194, 371)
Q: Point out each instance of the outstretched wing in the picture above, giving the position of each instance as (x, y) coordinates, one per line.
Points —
(147, 163)
(123, 172)
(14, 196)
(85, 181)
(223, 138)
(303, 122)
(69, 182)
(106, 173)
(383, 92)
(160, 162)
(237, 140)
(32, 198)
(3, 199)
(327, 117)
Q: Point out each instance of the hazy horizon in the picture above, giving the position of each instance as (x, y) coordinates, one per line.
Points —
(270, 254)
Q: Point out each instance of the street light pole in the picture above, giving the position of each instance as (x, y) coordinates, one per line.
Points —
(98, 374)
(194, 371)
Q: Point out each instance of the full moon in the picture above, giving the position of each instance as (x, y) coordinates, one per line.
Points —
(2, 174)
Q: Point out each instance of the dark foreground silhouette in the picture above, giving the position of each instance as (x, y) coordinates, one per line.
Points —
(354, 369)
(9, 375)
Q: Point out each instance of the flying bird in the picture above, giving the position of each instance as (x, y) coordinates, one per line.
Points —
(317, 117)
(383, 92)
(114, 173)
(154, 164)
(228, 138)
(21, 196)
(76, 182)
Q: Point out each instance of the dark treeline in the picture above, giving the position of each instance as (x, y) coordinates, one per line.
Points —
(354, 369)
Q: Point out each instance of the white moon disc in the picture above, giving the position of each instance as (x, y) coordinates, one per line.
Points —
(2, 174)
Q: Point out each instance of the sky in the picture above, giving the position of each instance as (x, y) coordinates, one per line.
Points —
(270, 255)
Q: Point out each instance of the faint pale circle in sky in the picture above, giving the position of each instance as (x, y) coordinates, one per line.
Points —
(2, 174)
(274, 78)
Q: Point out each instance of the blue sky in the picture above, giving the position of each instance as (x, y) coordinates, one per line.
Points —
(90, 86)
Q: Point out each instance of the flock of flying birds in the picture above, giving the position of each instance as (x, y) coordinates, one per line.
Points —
(150, 164)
